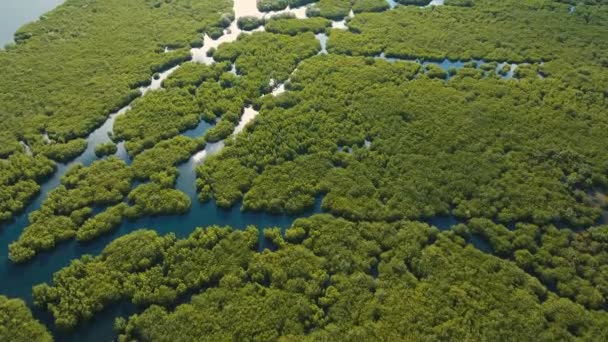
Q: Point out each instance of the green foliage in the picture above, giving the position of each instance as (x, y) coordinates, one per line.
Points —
(261, 57)
(66, 212)
(63, 152)
(295, 26)
(464, 33)
(19, 177)
(572, 263)
(460, 146)
(157, 116)
(105, 149)
(222, 130)
(164, 156)
(145, 268)
(360, 6)
(102, 223)
(17, 323)
(217, 101)
(435, 71)
(330, 9)
(294, 185)
(277, 5)
(206, 92)
(227, 182)
(382, 142)
(272, 5)
(299, 3)
(414, 2)
(164, 113)
(70, 101)
(319, 286)
(155, 199)
(505, 69)
(68, 72)
(221, 311)
(131, 253)
(463, 3)
(249, 23)
(69, 206)
(190, 75)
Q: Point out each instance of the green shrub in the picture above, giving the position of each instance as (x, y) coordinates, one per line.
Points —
(414, 2)
(249, 23)
(105, 149)
(271, 5)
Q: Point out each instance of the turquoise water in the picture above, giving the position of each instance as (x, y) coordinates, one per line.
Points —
(15, 13)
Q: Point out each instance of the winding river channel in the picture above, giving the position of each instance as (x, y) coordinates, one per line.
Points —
(17, 280)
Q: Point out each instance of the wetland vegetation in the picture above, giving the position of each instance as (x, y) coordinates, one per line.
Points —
(412, 115)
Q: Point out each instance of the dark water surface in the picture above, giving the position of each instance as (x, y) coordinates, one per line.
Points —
(16, 13)
(17, 280)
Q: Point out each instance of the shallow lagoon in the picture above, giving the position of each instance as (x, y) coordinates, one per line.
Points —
(16, 13)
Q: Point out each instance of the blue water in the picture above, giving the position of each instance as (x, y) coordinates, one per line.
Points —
(481, 243)
(19, 279)
(16, 13)
(444, 222)
(448, 64)
(322, 38)
(197, 131)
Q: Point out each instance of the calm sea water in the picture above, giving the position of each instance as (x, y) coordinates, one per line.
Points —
(16, 13)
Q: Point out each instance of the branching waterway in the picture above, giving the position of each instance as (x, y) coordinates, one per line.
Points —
(17, 280)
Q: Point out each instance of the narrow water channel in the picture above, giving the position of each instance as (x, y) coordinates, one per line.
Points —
(447, 65)
(17, 280)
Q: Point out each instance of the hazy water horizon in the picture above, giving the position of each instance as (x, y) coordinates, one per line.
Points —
(16, 13)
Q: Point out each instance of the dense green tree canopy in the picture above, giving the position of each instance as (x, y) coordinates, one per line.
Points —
(71, 69)
(412, 115)
(327, 279)
(19, 178)
(17, 323)
(105, 149)
(491, 148)
(70, 205)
